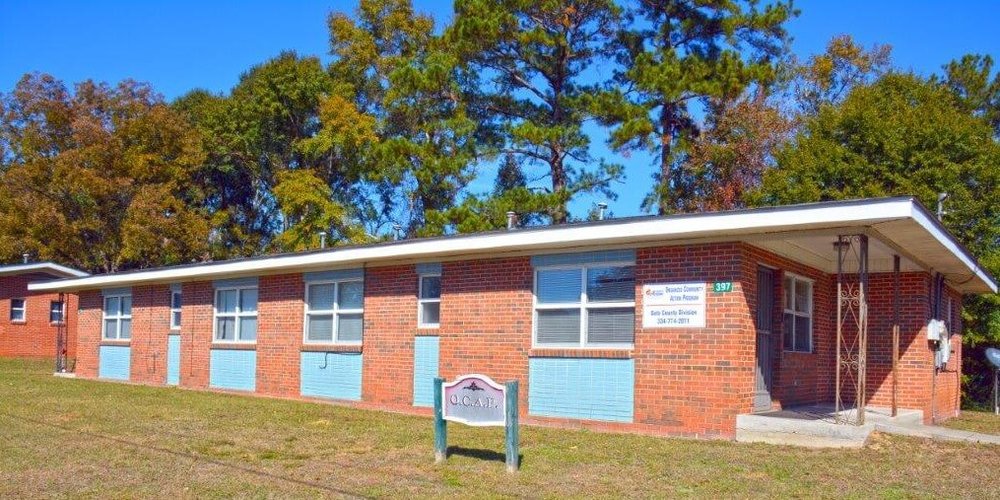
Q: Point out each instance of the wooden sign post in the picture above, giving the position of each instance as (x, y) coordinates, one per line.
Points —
(478, 401)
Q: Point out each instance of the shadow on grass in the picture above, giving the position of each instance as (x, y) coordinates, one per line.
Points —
(489, 455)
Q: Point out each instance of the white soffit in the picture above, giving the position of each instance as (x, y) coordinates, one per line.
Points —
(50, 268)
(667, 230)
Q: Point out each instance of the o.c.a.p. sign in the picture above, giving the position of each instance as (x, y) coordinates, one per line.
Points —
(474, 400)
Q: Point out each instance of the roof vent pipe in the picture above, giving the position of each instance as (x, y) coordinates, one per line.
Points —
(601, 207)
(322, 239)
(25, 256)
(397, 230)
(511, 220)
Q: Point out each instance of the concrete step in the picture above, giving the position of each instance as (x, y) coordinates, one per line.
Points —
(798, 432)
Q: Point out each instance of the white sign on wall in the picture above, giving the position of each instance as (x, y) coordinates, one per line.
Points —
(673, 305)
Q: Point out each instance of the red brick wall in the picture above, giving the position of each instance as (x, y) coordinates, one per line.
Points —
(695, 381)
(89, 333)
(390, 325)
(196, 332)
(36, 336)
(279, 334)
(486, 315)
(150, 327)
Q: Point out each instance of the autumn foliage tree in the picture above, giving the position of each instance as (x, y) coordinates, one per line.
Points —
(98, 177)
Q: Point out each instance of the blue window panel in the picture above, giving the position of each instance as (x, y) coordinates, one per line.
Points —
(426, 357)
(335, 275)
(234, 369)
(429, 268)
(334, 375)
(173, 359)
(583, 388)
(562, 259)
(114, 362)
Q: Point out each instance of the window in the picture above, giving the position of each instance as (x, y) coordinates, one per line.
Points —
(590, 306)
(175, 309)
(17, 310)
(56, 311)
(335, 312)
(236, 314)
(429, 301)
(798, 314)
(118, 317)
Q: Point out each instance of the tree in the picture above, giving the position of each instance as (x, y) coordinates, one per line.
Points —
(410, 81)
(727, 161)
(533, 57)
(678, 52)
(970, 79)
(256, 134)
(828, 77)
(488, 212)
(99, 178)
(905, 135)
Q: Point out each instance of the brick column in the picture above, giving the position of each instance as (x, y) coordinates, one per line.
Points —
(196, 333)
(279, 334)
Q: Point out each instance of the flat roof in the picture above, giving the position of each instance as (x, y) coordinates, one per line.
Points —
(50, 268)
(901, 222)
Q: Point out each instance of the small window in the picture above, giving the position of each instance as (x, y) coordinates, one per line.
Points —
(429, 301)
(56, 311)
(118, 317)
(236, 315)
(175, 309)
(17, 310)
(335, 312)
(798, 314)
(585, 306)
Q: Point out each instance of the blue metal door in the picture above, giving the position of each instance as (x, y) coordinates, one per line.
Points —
(173, 359)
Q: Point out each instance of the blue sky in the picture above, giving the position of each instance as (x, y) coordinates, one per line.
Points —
(180, 45)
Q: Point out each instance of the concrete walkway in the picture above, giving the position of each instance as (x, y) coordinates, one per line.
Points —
(816, 427)
(936, 432)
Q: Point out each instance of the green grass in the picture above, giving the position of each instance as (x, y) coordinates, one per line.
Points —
(78, 438)
(976, 421)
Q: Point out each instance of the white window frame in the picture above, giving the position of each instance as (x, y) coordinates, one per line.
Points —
(176, 311)
(118, 316)
(583, 305)
(421, 301)
(62, 312)
(238, 315)
(23, 309)
(335, 312)
(798, 314)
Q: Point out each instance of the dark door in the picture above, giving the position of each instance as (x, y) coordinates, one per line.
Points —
(765, 346)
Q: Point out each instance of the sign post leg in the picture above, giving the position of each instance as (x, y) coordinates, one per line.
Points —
(512, 428)
(440, 426)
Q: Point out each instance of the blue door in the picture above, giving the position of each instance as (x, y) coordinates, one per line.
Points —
(173, 359)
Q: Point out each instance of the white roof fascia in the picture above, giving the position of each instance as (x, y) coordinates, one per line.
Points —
(931, 226)
(553, 239)
(42, 266)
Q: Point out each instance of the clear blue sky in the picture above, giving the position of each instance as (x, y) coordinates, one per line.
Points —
(180, 45)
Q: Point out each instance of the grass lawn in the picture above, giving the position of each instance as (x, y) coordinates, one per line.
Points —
(976, 421)
(62, 437)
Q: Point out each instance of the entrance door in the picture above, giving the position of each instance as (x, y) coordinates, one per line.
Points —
(765, 347)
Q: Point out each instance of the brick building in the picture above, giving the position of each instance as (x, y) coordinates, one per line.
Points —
(32, 321)
(662, 325)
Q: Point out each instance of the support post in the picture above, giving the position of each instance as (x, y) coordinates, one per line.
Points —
(440, 425)
(513, 445)
(895, 333)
